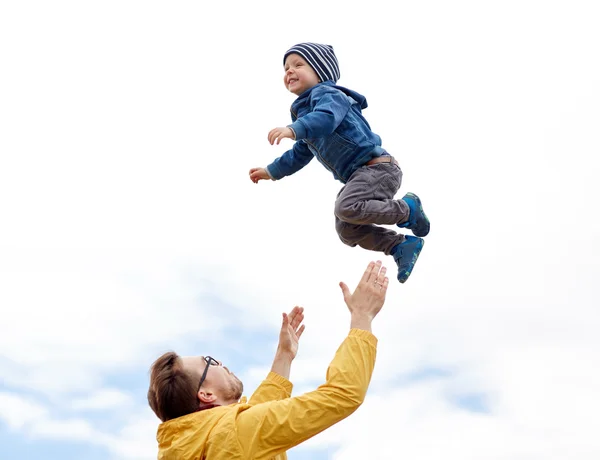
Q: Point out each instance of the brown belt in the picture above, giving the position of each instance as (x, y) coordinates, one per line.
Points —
(382, 159)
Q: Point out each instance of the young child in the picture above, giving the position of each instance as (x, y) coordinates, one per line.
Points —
(328, 124)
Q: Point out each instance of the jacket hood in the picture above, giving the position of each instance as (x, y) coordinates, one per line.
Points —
(359, 98)
(353, 94)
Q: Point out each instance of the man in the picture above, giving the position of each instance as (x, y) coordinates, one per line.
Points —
(198, 398)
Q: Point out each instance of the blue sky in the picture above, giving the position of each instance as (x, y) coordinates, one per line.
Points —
(130, 226)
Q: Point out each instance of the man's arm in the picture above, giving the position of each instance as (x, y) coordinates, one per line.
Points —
(265, 430)
(277, 385)
(268, 429)
(289, 336)
(272, 388)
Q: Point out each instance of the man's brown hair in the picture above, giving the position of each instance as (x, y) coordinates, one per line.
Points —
(172, 391)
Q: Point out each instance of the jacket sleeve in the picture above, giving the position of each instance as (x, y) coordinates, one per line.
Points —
(291, 161)
(329, 108)
(273, 388)
(268, 429)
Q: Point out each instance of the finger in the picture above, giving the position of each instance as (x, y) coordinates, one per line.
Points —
(292, 315)
(295, 317)
(275, 134)
(297, 320)
(300, 331)
(375, 272)
(285, 321)
(345, 290)
(370, 274)
(381, 276)
(367, 273)
(384, 285)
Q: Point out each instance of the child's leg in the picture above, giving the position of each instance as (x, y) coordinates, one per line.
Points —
(404, 249)
(368, 197)
(368, 236)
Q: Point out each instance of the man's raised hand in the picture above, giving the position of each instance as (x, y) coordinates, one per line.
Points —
(291, 331)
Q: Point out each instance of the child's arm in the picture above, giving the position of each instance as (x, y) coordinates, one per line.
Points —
(287, 164)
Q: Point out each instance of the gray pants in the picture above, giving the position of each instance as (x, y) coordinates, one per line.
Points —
(366, 199)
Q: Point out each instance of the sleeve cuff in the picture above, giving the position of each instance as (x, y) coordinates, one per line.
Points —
(299, 129)
(269, 173)
(280, 381)
(364, 335)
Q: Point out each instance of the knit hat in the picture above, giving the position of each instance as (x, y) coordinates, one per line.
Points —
(320, 57)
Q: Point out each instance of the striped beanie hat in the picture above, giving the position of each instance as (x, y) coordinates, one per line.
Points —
(320, 57)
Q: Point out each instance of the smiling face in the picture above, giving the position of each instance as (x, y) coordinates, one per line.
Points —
(299, 75)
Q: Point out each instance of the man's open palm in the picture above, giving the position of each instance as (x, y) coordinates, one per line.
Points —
(291, 330)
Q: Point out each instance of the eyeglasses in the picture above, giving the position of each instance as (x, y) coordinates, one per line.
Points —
(210, 361)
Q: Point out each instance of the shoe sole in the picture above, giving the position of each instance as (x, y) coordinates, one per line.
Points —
(415, 256)
(419, 231)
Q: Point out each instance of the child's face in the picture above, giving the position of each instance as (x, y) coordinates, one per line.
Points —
(299, 75)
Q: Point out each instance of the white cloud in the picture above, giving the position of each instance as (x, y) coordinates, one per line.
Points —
(17, 411)
(22, 413)
(418, 420)
(76, 429)
(104, 399)
(70, 318)
(137, 440)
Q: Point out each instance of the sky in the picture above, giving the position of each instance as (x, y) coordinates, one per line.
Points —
(130, 226)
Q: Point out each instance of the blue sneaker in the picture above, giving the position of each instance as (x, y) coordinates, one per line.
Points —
(406, 255)
(417, 221)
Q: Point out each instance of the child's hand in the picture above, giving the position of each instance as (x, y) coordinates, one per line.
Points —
(275, 135)
(257, 174)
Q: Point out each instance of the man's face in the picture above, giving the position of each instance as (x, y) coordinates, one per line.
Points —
(219, 380)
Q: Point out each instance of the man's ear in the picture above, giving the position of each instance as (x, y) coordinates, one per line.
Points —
(207, 396)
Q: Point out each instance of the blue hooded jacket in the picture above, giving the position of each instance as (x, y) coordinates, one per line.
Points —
(329, 125)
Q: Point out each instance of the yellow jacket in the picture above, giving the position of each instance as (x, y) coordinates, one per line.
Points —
(272, 422)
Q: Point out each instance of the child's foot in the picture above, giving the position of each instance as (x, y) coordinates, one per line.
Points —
(417, 221)
(406, 255)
